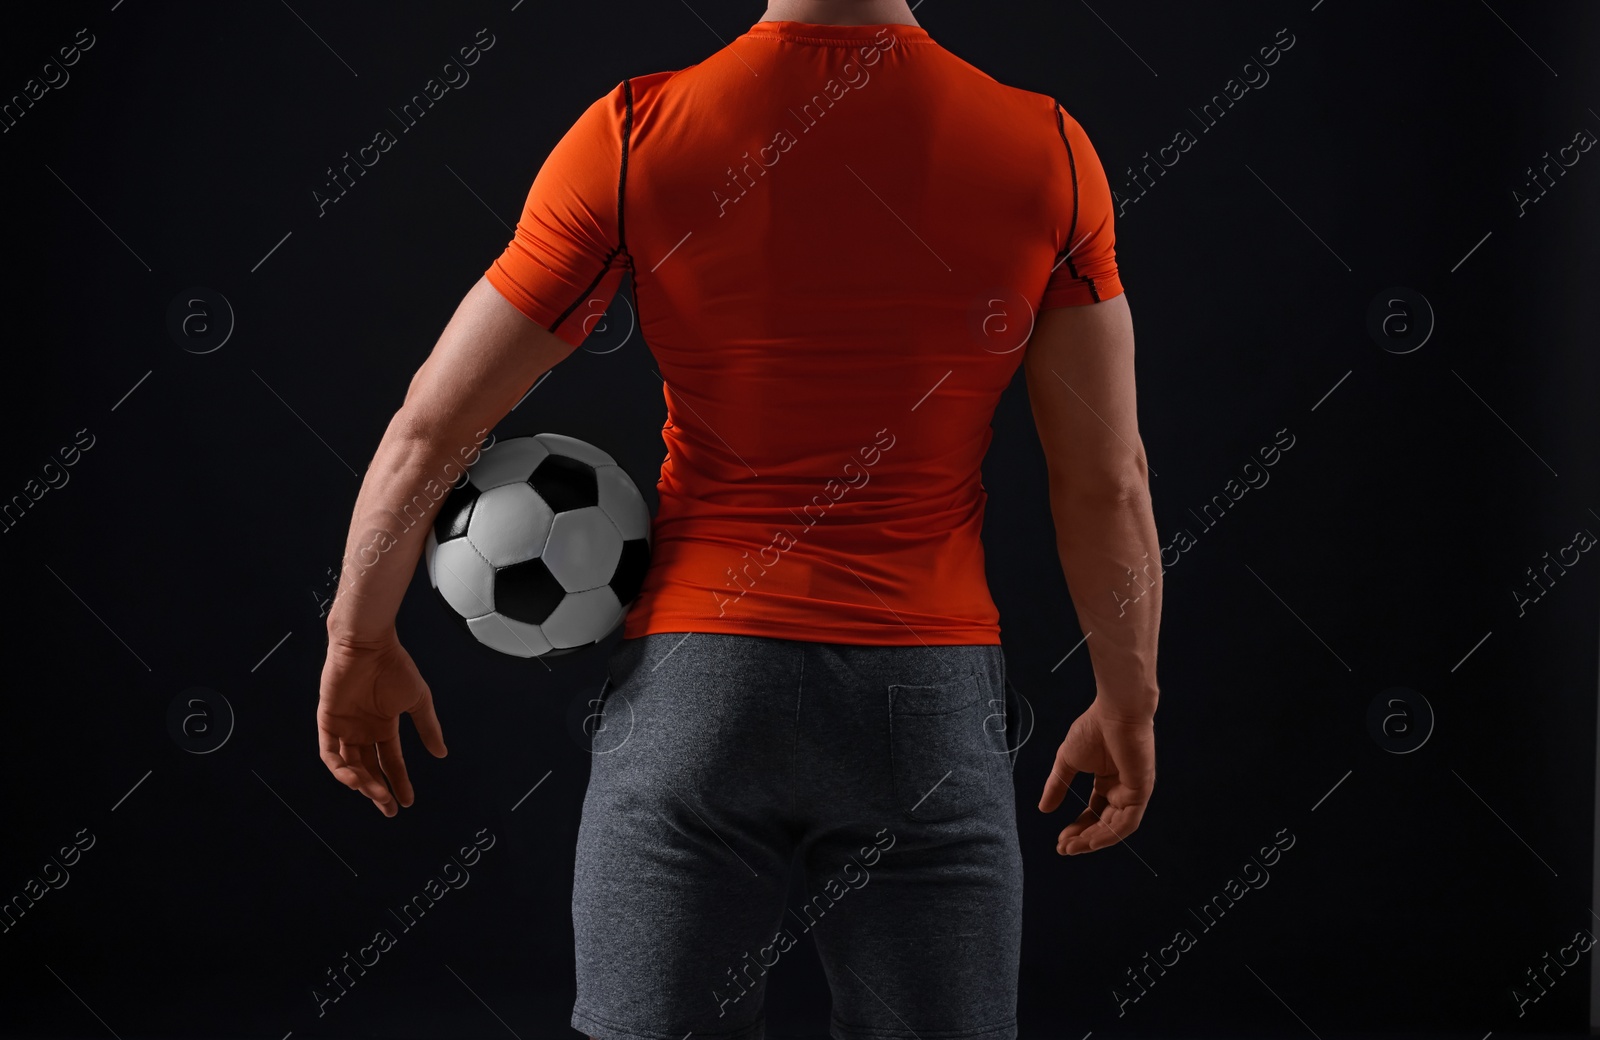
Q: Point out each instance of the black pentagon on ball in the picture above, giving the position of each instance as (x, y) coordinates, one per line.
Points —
(451, 522)
(629, 578)
(565, 483)
(527, 592)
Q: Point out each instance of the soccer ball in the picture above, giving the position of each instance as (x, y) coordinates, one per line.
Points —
(543, 547)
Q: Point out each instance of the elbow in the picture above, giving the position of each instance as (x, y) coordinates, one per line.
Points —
(411, 425)
(416, 432)
(1128, 487)
(418, 424)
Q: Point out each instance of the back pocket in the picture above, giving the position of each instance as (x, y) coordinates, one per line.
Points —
(940, 757)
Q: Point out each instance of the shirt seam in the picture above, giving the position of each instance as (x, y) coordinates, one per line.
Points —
(827, 41)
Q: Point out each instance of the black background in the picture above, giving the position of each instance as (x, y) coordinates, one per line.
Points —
(1384, 552)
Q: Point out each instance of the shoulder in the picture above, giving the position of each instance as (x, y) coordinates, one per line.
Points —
(653, 82)
(648, 89)
(1025, 101)
(634, 92)
(634, 98)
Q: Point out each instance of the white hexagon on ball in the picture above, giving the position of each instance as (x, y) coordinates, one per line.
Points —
(583, 550)
(507, 462)
(581, 615)
(463, 578)
(510, 524)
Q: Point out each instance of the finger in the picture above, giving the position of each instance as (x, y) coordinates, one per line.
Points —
(342, 771)
(422, 712)
(347, 771)
(328, 751)
(1114, 825)
(1061, 775)
(1107, 831)
(1091, 814)
(427, 722)
(1056, 785)
(354, 775)
(385, 798)
(1073, 830)
(1096, 837)
(366, 783)
(393, 764)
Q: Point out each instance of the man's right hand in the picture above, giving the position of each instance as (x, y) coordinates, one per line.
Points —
(365, 690)
(1121, 754)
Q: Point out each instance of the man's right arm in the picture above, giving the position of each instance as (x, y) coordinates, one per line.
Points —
(1080, 379)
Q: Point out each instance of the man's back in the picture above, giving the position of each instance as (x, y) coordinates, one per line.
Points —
(839, 236)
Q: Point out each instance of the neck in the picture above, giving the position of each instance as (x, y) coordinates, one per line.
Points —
(840, 12)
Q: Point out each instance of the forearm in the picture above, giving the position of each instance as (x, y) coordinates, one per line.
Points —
(410, 475)
(1111, 556)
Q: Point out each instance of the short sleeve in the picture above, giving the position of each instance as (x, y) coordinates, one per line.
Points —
(567, 256)
(1086, 256)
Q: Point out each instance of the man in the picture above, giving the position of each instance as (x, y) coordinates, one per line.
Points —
(844, 241)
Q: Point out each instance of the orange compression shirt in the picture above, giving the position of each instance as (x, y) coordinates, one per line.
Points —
(839, 236)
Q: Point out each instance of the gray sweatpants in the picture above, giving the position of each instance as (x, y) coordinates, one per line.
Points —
(883, 772)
